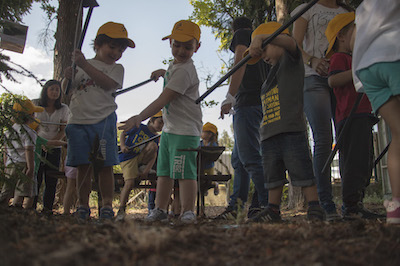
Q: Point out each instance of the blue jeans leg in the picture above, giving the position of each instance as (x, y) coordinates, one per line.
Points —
(317, 107)
(246, 156)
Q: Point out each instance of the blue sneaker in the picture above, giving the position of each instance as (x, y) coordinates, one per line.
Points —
(82, 214)
(106, 213)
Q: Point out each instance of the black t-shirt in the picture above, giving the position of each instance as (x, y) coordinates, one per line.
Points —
(254, 76)
(282, 97)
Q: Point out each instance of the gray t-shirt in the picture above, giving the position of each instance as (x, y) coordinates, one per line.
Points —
(182, 116)
(282, 97)
(90, 103)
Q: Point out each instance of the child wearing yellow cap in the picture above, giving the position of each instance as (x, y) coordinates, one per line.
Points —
(20, 157)
(182, 123)
(93, 114)
(209, 138)
(283, 130)
(131, 160)
(355, 148)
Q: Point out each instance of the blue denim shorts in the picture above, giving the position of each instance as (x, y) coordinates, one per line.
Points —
(81, 138)
(287, 151)
(381, 81)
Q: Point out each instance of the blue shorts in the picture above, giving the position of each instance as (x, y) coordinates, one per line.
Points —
(287, 151)
(177, 164)
(81, 138)
(381, 81)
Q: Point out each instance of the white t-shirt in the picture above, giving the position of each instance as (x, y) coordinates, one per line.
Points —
(16, 152)
(90, 103)
(182, 116)
(58, 116)
(378, 35)
(315, 42)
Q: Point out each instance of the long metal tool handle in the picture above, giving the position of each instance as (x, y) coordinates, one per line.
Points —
(132, 87)
(81, 38)
(265, 43)
(143, 142)
(345, 126)
(382, 154)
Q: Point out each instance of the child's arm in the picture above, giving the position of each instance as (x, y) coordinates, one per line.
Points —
(30, 161)
(165, 97)
(99, 77)
(340, 79)
(122, 138)
(282, 40)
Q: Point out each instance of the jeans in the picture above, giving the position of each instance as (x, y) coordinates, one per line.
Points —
(246, 155)
(317, 107)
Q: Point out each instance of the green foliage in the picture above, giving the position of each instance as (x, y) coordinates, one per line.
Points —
(226, 141)
(219, 14)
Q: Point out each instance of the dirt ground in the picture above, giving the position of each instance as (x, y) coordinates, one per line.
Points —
(31, 238)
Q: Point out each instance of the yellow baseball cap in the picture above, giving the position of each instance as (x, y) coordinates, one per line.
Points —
(159, 114)
(27, 107)
(34, 124)
(210, 127)
(115, 31)
(265, 28)
(184, 31)
(334, 26)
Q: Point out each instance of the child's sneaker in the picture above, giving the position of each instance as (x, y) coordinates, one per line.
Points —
(188, 217)
(332, 216)
(359, 211)
(392, 211)
(106, 213)
(82, 214)
(120, 215)
(253, 212)
(156, 215)
(268, 215)
(228, 214)
(315, 213)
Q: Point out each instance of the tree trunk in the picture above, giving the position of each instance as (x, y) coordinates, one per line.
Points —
(68, 11)
(282, 10)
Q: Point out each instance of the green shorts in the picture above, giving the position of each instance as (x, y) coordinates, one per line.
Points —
(177, 164)
(381, 81)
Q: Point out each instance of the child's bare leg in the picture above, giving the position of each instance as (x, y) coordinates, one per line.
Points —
(126, 190)
(84, 184)
(390, 112)
(27, 202)
(68, 196)
(187, 193)
(17, 201)
(310, 193)
(164, 190)
(106, 185)
(150, 152)
(275, 195)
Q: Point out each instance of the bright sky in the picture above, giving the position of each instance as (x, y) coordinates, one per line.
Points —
(147, 22)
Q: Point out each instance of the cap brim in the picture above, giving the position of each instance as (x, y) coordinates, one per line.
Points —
(131, 43)
(252, 60)
(329, 51)
(38, 109)
(179, 37)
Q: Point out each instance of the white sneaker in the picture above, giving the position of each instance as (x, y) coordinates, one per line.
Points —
(120, 215)
(157, 215)
(188, 217)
